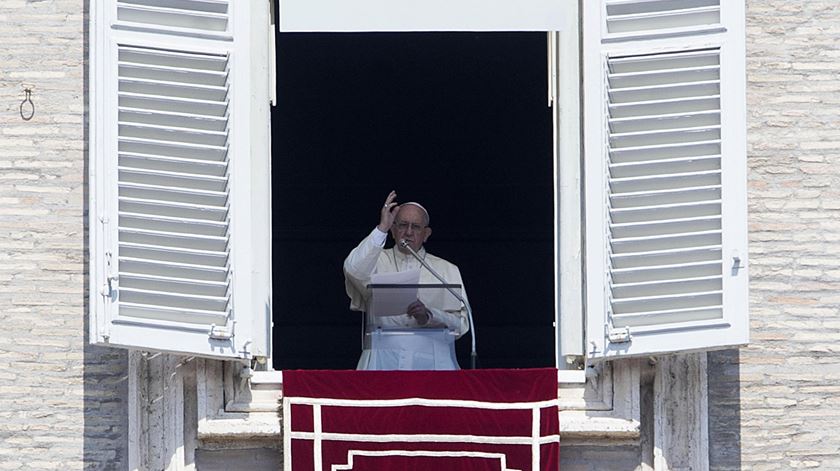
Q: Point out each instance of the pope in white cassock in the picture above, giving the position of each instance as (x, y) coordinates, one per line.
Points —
(408, 349)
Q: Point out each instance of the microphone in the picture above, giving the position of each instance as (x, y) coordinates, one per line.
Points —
(473, 355)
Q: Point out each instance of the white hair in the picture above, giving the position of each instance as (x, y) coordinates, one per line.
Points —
(426, 213)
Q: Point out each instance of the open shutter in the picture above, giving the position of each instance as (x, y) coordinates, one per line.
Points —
(665, 160)
(173, 159)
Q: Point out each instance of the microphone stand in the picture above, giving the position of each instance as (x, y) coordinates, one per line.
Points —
(473, 354)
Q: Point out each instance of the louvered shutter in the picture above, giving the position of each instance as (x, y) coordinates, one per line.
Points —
(176, 237)
(665, 162)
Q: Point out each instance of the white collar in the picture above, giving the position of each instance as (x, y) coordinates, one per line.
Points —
(402, 257)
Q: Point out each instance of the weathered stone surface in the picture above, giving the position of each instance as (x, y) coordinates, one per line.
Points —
(768, 404)
(62, 401)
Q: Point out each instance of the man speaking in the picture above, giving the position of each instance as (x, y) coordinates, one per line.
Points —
(408, 224)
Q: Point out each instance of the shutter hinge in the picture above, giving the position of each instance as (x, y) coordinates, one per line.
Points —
(619, 335)
(736, 262)
(221, 332)
(109, 288)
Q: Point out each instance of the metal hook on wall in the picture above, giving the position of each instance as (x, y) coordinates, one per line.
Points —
(27, 114)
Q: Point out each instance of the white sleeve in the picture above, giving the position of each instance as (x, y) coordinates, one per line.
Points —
(359, 265)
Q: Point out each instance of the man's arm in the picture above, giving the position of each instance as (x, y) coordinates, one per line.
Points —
(360, 264)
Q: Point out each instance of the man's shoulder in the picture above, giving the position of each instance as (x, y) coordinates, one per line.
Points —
(431, 258)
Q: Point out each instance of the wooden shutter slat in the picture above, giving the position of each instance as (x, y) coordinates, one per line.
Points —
(176, 300)
(646, 214)
(666, 241)
(666, 20)
(173, 270)
(666, 272)
(670, 302)
(173, 254)
(168, 57)
(164, 74)
(171, 134)
(192, 211)
(664, 107)
(168, 17)
(666, 256)
(186, 121)
(180, 180)
(699, 119)
(620, 169)
(173, 239)
(178, 195)
(683, 149)
(658, 287)
(653, 183)
(169, 149)
(689, 317)
(651, 93)
(174, 285)
(172, 164)
(685, 225)
(677, 195)
(165, 314)
(163, 103)
(172, 89)
(173, 224)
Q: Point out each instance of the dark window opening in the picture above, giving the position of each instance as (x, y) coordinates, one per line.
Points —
(456, 121)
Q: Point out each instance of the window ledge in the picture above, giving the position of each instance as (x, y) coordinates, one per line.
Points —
(573, 425)
(577, 425)
(257, 414)
(276, 377)
(240, 426)
(266, 390)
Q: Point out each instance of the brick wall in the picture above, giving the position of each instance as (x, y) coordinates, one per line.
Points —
(61, 402)
(774, 405)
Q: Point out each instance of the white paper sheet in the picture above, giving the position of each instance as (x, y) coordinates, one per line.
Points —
(393, 301)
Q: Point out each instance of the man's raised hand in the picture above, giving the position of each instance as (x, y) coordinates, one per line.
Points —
(388, 212)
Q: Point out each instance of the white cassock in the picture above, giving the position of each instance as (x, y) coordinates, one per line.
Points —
(408, 352)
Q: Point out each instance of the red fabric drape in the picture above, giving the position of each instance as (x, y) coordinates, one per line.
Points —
(421, 420)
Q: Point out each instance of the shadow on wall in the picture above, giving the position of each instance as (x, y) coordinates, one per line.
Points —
(104, 370)
(724, 409)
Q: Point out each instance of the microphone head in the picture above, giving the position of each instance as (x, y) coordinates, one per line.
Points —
(403, 243)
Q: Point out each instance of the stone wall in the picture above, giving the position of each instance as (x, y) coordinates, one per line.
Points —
(61, 402)
(774, 405)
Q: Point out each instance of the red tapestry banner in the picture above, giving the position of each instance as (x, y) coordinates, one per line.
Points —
(500, 420)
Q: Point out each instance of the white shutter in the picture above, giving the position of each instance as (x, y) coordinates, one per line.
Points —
(172, 160)
(424, 15)
(665, 167)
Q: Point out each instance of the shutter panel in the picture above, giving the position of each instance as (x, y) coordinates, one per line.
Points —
(666, 181)
(168, 95)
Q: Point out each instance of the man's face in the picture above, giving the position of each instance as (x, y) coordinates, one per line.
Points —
(410, 225)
